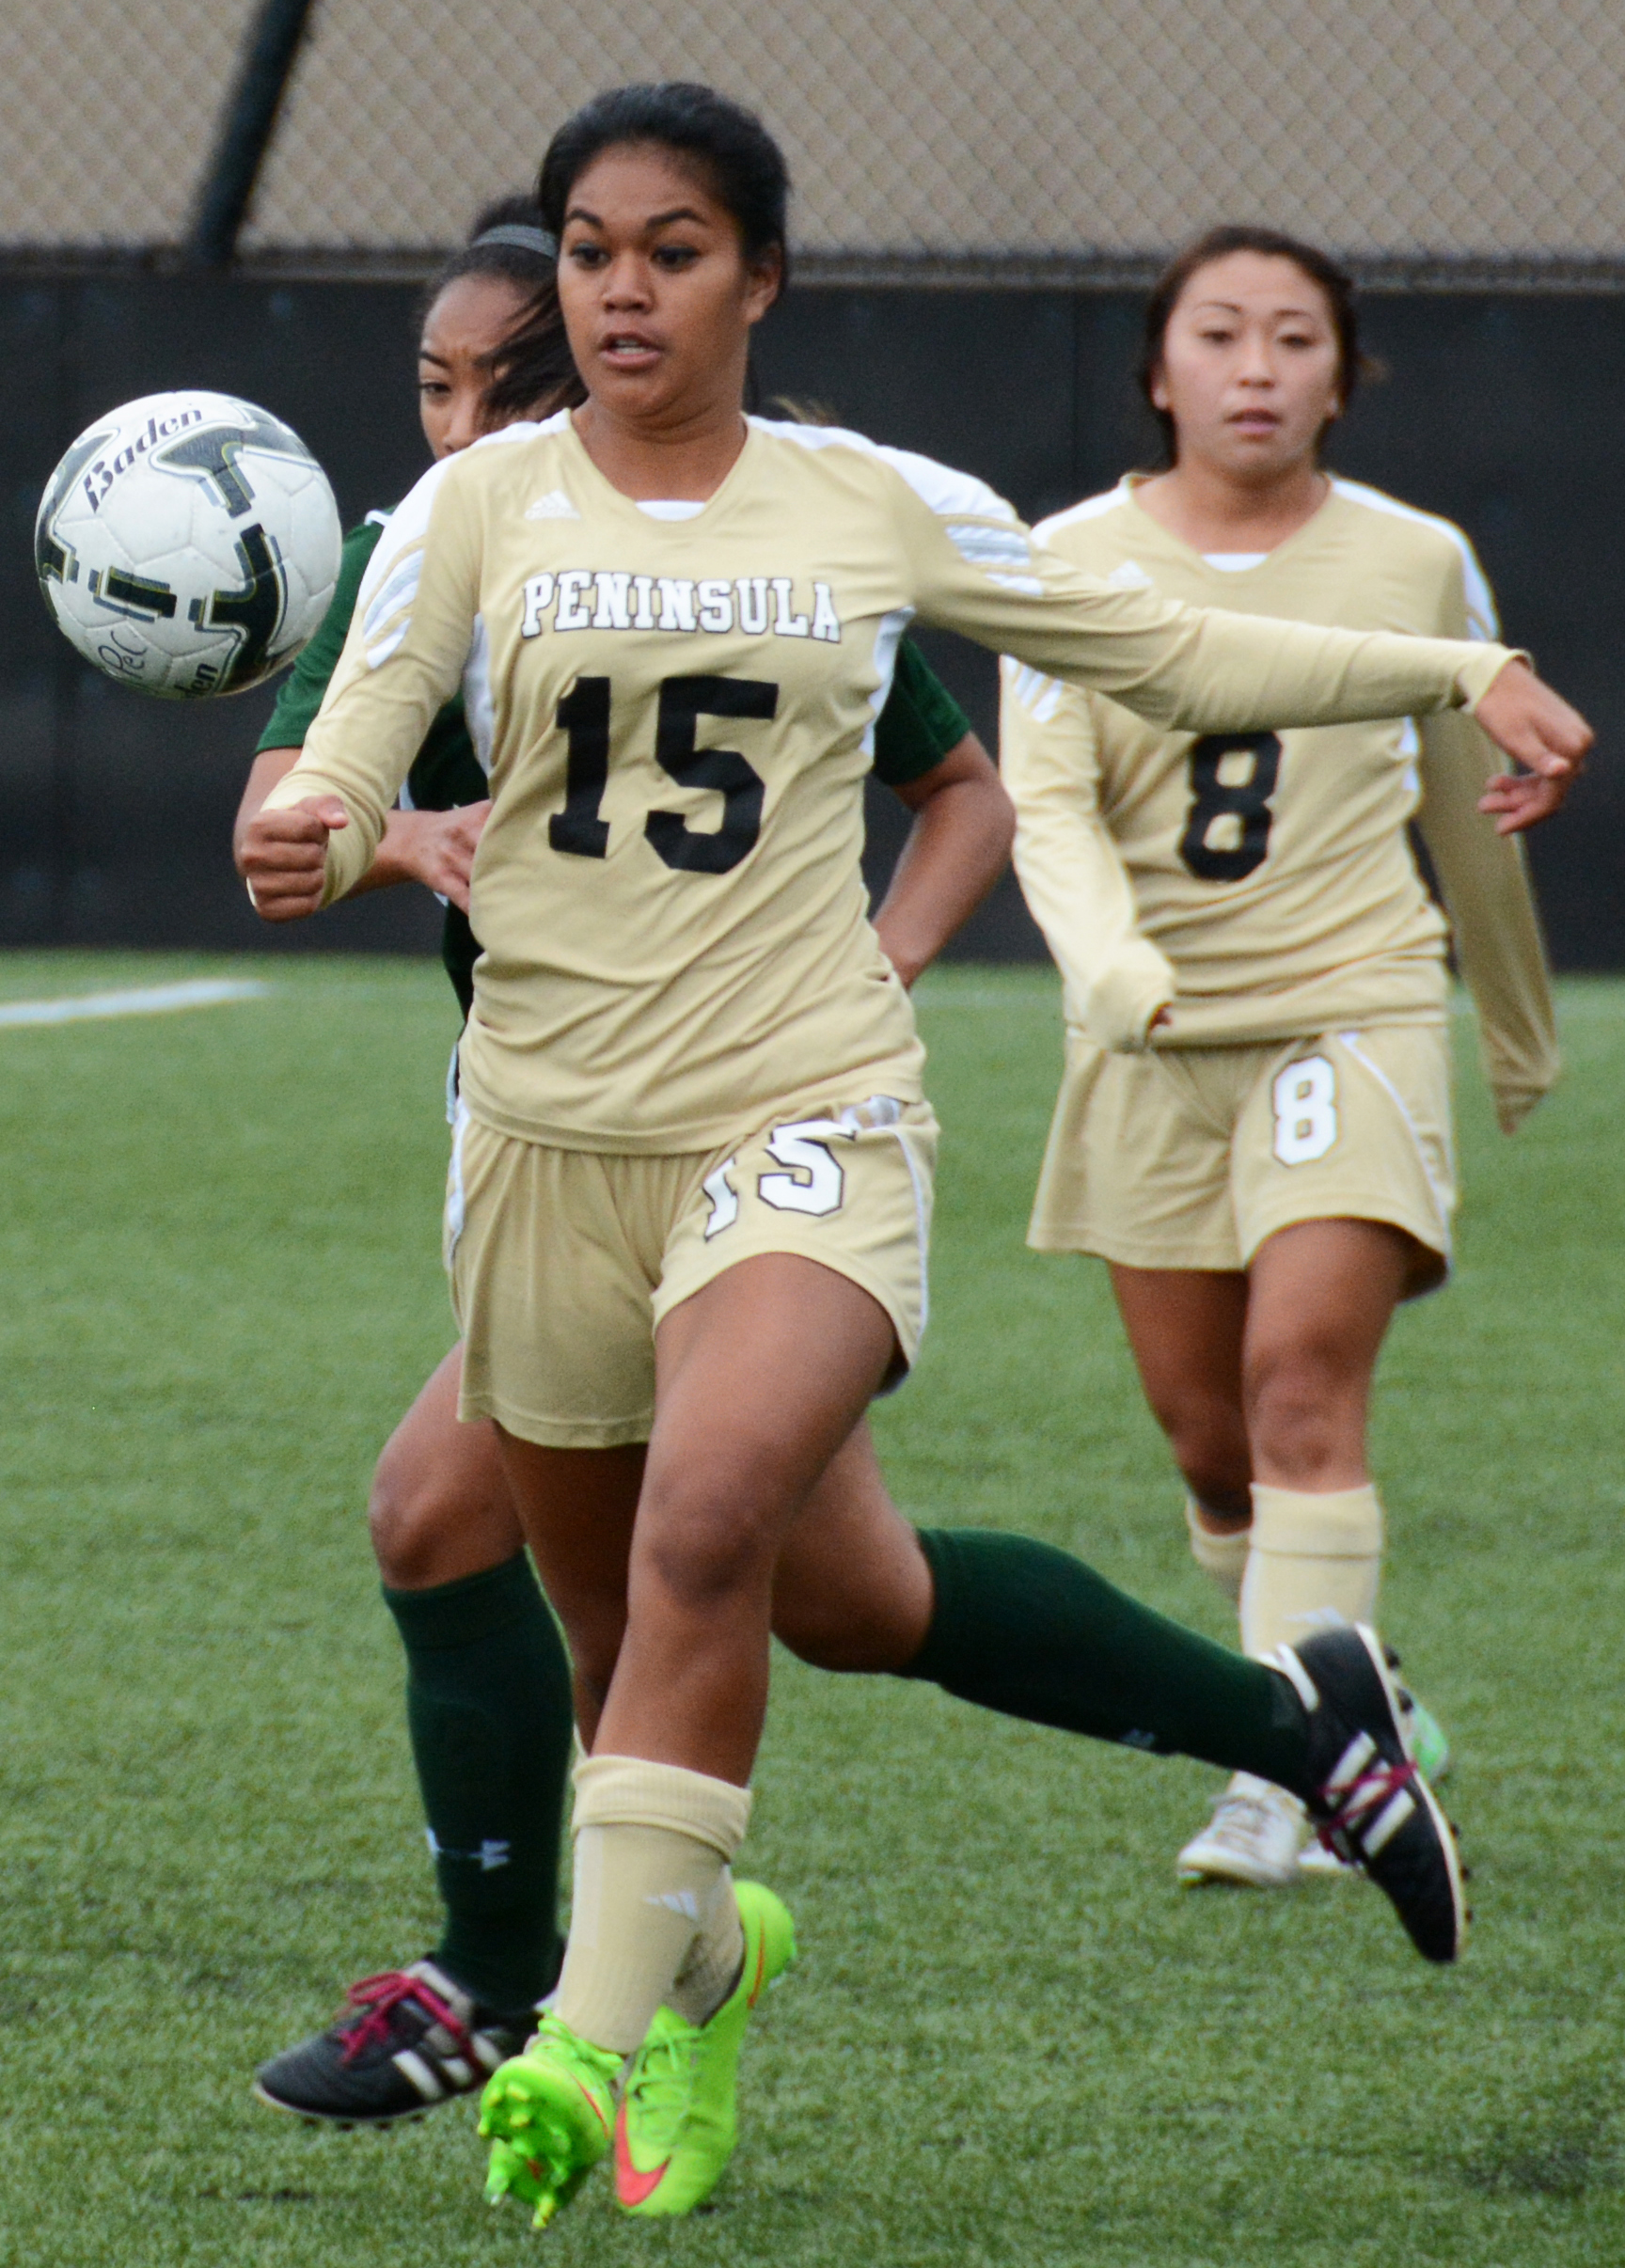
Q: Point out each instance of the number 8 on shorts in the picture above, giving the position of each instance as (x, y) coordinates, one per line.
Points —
(1305, 1099)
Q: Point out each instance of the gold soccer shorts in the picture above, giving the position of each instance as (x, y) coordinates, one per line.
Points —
(563, 1262)
(1192, 1156)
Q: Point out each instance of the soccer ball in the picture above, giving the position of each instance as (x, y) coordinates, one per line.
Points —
(188, 545)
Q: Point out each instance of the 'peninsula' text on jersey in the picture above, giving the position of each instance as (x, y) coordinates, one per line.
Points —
(612, 598)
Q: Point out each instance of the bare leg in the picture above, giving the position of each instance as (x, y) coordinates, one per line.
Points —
(580, 1506)
(1321, 1297)
(852, 1590)
(440, 1507)
(1187, 1328)
(1268, 1377)
(761, 1377)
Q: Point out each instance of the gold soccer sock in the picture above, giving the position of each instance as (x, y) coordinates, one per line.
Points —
(652, 1842)
(715, 1960)
(1221, 1557)
(1313, 1559)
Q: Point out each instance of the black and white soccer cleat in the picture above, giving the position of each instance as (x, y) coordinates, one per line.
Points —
(403, 2042)
(1369, 1803)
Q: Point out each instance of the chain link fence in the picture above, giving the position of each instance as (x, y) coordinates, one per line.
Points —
(107, 111)
(935, 137)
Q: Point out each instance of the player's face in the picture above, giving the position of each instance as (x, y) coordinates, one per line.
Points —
(462, 335)
(658, 298)
(1249, 366)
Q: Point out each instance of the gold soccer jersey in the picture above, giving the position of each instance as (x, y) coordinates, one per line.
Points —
(1259, 884)
(677, 715)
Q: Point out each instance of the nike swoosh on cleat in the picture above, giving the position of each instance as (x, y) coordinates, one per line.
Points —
(632, 2188)
(588, 2097)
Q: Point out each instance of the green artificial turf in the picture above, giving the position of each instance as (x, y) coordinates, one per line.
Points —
(1012, 2039)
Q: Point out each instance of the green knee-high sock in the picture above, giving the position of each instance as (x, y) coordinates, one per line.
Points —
(1027, 1630)
(488, 1706)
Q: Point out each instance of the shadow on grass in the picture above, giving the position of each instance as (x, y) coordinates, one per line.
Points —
(1565, 2155)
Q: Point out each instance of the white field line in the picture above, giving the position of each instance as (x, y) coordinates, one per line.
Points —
(156, 999)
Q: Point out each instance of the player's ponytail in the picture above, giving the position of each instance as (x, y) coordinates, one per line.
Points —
(742, 164)
(533, 373)
(1335, 287)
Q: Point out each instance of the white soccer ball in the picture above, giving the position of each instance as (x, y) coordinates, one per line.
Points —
(188, 545)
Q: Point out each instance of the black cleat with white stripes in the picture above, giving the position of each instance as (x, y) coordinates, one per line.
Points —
(1369, 1803)
(403, 2042)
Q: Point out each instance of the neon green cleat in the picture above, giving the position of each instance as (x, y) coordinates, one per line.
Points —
(1426, 1736)
(549, 2116)
(678, 2120)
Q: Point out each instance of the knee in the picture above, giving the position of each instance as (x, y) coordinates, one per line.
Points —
(862, 1601)
(1303, 1413)
(702, 1551)
(408, 1515)
(1208, 1434)
(830, 1642)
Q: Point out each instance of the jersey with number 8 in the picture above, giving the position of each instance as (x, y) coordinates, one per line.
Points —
(1257, 886)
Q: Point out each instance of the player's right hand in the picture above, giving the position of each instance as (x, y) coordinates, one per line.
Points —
(283, 857)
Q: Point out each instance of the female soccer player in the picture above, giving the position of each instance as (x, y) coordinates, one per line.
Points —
(489, 1698)
(1254, 1128)
(691, 1174)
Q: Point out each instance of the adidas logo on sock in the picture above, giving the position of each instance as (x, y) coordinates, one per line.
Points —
(677, 1901)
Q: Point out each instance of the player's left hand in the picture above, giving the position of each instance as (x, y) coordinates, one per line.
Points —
(1516, 800)
(1539, 730)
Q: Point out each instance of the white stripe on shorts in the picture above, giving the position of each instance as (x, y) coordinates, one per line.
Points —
(1351, 1041)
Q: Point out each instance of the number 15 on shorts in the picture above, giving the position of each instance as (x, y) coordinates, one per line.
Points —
(805, 1150)
(1305, 1100)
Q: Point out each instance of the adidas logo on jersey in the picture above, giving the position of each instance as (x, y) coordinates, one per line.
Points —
(1129, 577)
(754, 606)
(555, 505)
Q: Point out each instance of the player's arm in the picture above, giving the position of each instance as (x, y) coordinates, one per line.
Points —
(1485, 883)
(319, 828)
(1119, 982)
(959, 843)
(1200, 670)
(436, 848)
(956, 849)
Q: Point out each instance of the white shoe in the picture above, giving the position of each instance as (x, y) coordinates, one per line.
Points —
(1253, 1838)
(1322, 1866)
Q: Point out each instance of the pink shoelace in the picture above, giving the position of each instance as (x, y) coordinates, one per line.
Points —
(1369, 1795)
(382, 1994)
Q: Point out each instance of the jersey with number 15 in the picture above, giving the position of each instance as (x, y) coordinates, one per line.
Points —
(677, 705)
(1260, 886)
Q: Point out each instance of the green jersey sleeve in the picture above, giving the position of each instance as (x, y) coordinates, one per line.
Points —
(920, 723)
(307, 682)
(446, 771)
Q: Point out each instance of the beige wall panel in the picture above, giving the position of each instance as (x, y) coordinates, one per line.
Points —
(107, 113)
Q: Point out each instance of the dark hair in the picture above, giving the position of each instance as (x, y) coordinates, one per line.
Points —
(742, 164)
(1218, 244)
(532, 369)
